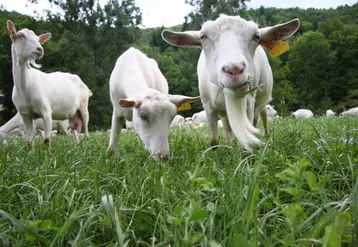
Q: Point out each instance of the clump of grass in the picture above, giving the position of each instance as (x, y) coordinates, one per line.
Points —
(299, 189)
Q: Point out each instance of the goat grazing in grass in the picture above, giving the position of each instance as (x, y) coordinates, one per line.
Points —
(139, 93)
(48, 96)
(303, 113)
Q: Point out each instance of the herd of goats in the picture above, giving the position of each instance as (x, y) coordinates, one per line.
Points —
(234, 75)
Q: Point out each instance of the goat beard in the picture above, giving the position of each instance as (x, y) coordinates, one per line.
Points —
(34, 64)
(239, 122)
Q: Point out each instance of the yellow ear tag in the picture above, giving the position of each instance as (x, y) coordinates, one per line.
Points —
(279, 48)
(184, 107)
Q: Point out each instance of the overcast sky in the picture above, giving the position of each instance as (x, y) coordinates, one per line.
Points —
(171, 12)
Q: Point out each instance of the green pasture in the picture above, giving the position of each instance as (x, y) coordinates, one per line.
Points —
(298, 189)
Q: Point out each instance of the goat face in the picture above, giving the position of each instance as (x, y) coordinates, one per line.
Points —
(229, 44)
(151, 120)
(26, 44)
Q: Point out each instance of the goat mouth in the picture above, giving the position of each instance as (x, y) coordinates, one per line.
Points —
(241, 87)
(38, 54)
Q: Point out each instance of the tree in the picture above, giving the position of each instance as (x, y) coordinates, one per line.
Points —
(211, 9)
(311, 64)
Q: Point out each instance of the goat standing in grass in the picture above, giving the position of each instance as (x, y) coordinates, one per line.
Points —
(48, 96)
(231, 63)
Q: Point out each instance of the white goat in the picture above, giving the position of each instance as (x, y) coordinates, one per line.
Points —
(350, 112)
(303, 113)
(231, 63)
(199, 117)
(271, 112)
(178, 122)
(48, 96)
(330, 113)
(139, 93)
(15, 126)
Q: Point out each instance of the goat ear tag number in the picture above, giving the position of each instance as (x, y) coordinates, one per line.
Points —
(184, 107)
(279, 48)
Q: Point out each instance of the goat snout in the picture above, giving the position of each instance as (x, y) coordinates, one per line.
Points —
(234, 69)
(39, 51)
(164, 157)
(161, 157)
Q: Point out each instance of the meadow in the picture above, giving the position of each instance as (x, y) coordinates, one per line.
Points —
(298, 189)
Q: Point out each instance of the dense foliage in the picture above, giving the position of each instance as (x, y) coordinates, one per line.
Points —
(319, 72)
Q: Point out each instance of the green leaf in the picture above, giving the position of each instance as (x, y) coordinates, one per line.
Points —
(198, 215)
(46, 224)
(333, 233)
(239, 240)
(210, 207)
(331, 237)
(22, 226)
(213, 243)
(312, 181)
(291, 190)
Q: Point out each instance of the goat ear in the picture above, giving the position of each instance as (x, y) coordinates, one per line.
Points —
(11, 29)
(182, 39)
(44, 37)
(271, 35)
(182, 102)
(129, 103)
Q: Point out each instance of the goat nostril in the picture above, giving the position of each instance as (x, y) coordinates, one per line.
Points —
(235, 69)
(227, 70)
(39, 49)
(163, 158)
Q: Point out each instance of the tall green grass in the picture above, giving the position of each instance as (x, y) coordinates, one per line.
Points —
(299, 189)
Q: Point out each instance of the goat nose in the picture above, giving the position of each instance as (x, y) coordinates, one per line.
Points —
(234, 70)
(39, 49)
(164, 157)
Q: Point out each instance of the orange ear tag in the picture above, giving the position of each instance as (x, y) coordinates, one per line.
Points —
(279, 48)
(184, 107)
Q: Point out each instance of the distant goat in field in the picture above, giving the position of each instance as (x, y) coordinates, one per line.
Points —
(48, 96)
(330, 113)
(350, 112)
(303, 113)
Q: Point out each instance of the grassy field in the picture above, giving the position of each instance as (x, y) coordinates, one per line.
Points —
(299, 189)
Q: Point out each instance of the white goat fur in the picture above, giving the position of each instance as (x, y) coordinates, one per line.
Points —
(350, 112)
(271, 112)
(232, 59)
(15, 126)
(139, 93)
(178, 122)
(199, 117)
(330, 113)
(303, 113)
(48, 96)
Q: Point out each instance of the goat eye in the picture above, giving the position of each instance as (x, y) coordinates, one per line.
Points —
(143, 116)
(21, 36)
(203, 36)
(256, 37)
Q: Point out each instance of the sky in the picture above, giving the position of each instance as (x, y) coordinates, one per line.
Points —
(156, 13)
